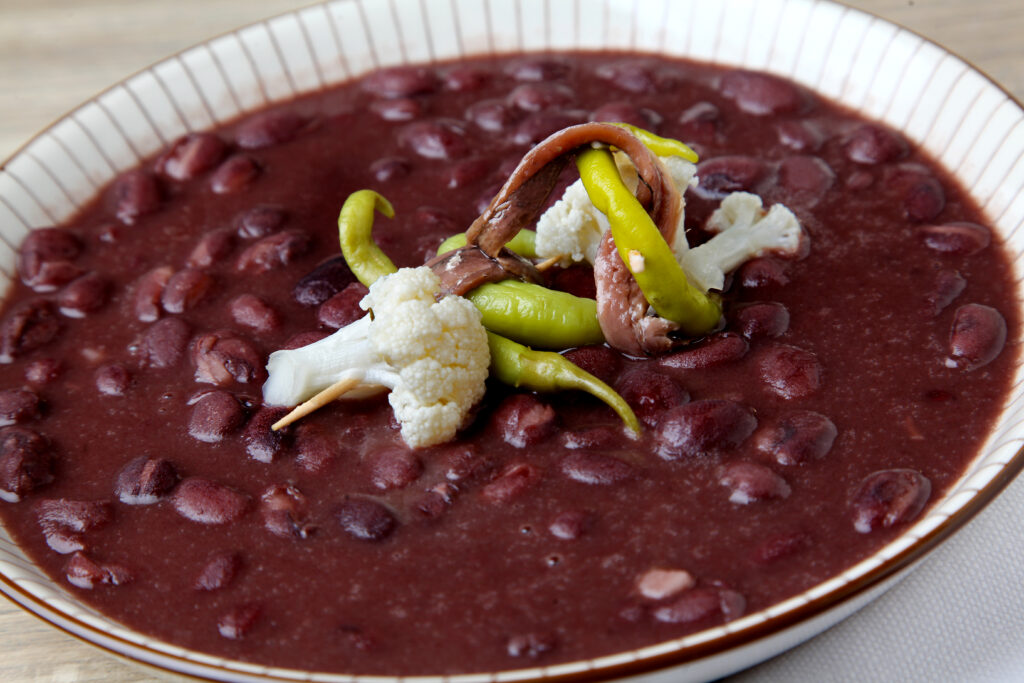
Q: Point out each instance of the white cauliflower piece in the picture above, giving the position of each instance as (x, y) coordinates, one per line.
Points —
(571, 229)
(745, 231)
(433, 355)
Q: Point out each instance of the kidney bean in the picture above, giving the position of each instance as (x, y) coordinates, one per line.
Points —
(145, 480)
(701, 428)
(148, 291)
(208, 502)
(859, 180)
(323, 282)
(234, 174)
(599, 360)
(285, 512)
(466, 79)
(466, 172)
(390, 168)
(594, 438)
(221, 358)
(443, 139)
(191, 155)
(215, 415)
(394, 468)
(239, 621)
(923, 198)
(365, 519)
(977, 337)
(958, 238)
(28, 326)
(63, 541)
(511, 483)
(401, 81)
(947, 285)
(433, 503)
(269, 128)
(85, 295)
(627, 112)
(314, 452)
(260, 221)
(889, 497)
(723, 175)
(806, 175)
(749, 483)
(261, 442)
(577, 279)
(185, 290)
(461, 462)
(493, 116)
(538, 68)
(164, 342)
(800, 136)
(343, 308)
(659, 583)
(870, 144)
(718, 349)
(19, 405)
(45, 259)
(779, 546)
(26, 462)
(399, 109)
(274, 251)
(571, 524)
(761, 320)
(251, 311)
(523, 420)
(83, 572)
(638, 76)
(219, 571)
(113, 379)
(788, 371)
(651, 394)
(212, 248)
(695, 605)
(732, 603)
(530, 645)
(133, 195)
(762, 272)
(540, 125)
(304, 339)
(534, 97)
(74, 515)
(762, 95)
(43, 371)
(798, 437)
(587, 467)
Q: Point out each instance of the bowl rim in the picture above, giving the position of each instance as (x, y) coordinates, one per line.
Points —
(141, 654)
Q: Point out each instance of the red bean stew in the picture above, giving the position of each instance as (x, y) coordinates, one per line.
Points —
(846, 391)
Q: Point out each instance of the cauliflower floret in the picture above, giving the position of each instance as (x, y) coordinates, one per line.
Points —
(432, 355)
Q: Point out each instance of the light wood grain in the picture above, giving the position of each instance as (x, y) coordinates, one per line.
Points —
(56, 53)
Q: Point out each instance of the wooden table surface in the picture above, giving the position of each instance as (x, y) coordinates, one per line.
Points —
(55, 54)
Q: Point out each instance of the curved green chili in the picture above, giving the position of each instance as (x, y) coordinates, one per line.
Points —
(643, 248)
(355, 225)
(663, 147)
(524, 244)
(537, 315)
(520, 366)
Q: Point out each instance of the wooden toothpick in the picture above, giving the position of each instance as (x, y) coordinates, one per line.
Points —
(328, 395)
(547, 263)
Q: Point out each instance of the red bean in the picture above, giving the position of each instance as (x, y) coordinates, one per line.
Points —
(83, 572)
(587, 467)
(523, 420)
(467, 172)
(191, 155)
(959, 238)
(888, 498)
(400, 81)
(538, 68)
(113, 379)
(85, 295)
(599, 360)
(977, 338)
(439, 139)
(695, 605)
(274, 251)
(466, 79)
(215, 415)
(269, 128)
(251, 311)
(30, 325)
(570, 525)
(394, 468)
(651, 394)
(26, 462)
(923, 198)
(723, 175)
(261, 442)
(208, 502)
(239, 621)
(761, 320)
(762, 272)
(219, 571)
(212, 248)
(148, 291)
(798, 437)
(594, 438)
(627, 112)
(789, 371)
(260, 221)
(400, 109)
(144, 481)
(800, 136)
(577, 279)
(164, 342)
(314, 451)
(806, 175)
(779, 546)
(534, 97)
(493, 116)
(638, 76)
(323, 282)
(343, 308)
(538, 126)
(530, 645)
(365, 519)
(78, 516)
(749, 482)
(45, 260)
(133, 195)
(511, 483)
(947, 285)
(222, 358)
(699, 122)
(718, 349)
(870, 144)
(63, 541)
(702, 428)
(234, 174)
(19, 405)
(762, 95)
(285, 512)
(390, 168)
(460, 463)
(185, 290)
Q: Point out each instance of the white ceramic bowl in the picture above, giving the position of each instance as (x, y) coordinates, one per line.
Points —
(965, 121)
